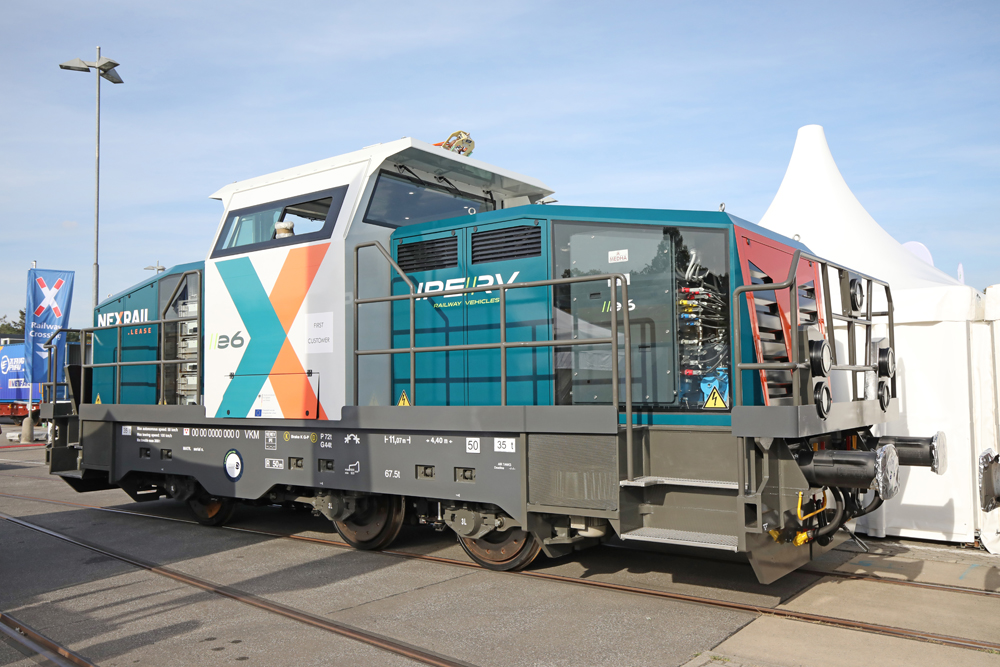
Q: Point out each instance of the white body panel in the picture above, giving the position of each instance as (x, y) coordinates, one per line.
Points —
(303, 369)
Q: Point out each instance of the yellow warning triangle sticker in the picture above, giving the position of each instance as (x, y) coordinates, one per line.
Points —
(98, 401)
(715, 400)
(403, 400)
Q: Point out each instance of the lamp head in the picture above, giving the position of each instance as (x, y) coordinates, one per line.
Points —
(104, 64)
(76, 65)
(112, 76)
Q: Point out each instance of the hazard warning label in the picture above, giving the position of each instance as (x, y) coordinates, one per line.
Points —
(715, 401)
(403, 400)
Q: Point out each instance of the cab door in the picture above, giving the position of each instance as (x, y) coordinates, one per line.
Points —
(435, 262)
(510, 252)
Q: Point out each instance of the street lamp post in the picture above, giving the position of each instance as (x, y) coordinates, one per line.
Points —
(105, 69)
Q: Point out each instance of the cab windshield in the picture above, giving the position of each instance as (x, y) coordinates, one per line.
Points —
(398, 201)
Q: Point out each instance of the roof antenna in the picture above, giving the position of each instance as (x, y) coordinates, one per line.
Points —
(722, 207)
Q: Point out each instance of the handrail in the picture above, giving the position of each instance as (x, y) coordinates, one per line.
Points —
(794, 365)
(163, 330)
(160, 363)
(413, 328)
(50, 372)
(503, 344)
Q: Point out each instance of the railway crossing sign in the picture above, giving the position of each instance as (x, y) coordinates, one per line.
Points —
(49, 297)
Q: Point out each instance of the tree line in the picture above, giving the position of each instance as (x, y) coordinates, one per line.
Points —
(12, 328)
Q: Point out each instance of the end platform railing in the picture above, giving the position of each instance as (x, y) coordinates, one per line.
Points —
(50, 387)
(793, 364)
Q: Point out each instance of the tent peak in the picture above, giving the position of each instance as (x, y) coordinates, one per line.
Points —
(815, 202)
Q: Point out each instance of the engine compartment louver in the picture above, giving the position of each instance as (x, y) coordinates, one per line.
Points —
(498, 245)
(429, 255)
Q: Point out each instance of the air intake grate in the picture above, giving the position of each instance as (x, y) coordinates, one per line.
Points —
(428, 255)
(510, 243)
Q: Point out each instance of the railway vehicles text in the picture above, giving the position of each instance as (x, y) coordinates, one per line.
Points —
(406, 333)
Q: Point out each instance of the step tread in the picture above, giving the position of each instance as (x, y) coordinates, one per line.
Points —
(684, 537)
(653, 480)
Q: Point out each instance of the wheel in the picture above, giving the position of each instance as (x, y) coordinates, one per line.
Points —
(212, 511)
(375, 524)
(508, 551)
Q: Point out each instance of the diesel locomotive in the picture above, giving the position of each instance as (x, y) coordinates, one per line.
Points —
(405, 333)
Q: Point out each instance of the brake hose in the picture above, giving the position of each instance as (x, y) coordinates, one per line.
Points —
(872, 506)
(838, 515)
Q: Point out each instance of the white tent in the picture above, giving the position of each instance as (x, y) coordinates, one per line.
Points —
(946, 358)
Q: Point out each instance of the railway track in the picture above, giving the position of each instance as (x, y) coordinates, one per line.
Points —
(373, 639)
(903, 633)
(37, 646)
(451, 561)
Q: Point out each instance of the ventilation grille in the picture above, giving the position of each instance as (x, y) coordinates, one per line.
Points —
(575, 472)
(772, 338)
(510, 243)
(428, 255)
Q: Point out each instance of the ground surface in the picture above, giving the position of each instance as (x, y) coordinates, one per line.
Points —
(116, 614)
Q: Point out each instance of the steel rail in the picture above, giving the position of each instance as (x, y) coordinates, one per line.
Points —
(48, 651)
(833, 621)
(425, 656)
(47, 477)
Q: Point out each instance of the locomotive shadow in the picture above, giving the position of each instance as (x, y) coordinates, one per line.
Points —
(677, 570)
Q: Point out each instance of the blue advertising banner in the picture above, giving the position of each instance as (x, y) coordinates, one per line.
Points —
(50, 294)
(14, 386)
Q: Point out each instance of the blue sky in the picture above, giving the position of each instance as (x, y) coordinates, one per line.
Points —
(666, 105)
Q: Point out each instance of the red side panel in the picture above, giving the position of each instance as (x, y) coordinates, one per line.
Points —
(774, 258)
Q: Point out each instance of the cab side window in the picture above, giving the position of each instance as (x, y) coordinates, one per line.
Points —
(286, 222)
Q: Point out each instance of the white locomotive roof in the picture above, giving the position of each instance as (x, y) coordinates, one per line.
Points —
(415, 154)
